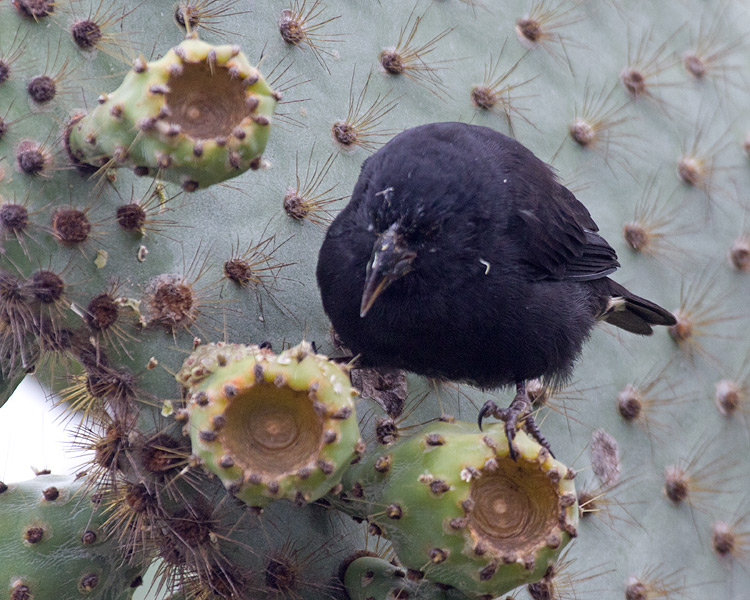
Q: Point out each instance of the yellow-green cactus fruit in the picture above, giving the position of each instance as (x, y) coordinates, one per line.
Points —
(199, 115)
(458, 509)
(272, 426)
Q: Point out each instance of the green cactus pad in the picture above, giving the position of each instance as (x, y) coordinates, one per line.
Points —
(456, 506)
(274, 426)
(374, 577)
(197, 116)
(52, 544)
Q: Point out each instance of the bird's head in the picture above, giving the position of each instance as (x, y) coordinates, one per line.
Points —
(390, 260)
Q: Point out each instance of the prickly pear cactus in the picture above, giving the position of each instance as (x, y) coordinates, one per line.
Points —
(54, 543)
(374, 577)
(167, 172)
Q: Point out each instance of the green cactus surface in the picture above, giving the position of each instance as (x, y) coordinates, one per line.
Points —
(168, 170)
(53, 544)
(375, 577)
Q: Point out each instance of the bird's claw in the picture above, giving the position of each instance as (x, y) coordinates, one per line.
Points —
(533, 429)
(518, 411)
(489, 408)
(510, 433)
(508, 415)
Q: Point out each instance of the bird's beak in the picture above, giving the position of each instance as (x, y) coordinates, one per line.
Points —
(390, 260)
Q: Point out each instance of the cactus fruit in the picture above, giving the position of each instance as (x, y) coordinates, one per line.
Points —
(53, 544)
(456, 506)
(272, 426)
(110, 281)
(197, 116)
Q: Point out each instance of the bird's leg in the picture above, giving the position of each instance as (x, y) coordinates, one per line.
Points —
(519, 410)
(511, 415)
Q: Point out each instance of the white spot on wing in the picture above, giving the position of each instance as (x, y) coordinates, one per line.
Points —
(386, 193)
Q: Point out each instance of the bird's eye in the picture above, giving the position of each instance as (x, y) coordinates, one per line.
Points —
(404, 265)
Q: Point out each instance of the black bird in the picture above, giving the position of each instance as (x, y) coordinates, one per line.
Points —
(460, 256)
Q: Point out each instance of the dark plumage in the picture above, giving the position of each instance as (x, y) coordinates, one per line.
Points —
(469, 261)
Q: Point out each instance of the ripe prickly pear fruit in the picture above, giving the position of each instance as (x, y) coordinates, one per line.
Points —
(456, 506)
(199, 115)
(270, 426)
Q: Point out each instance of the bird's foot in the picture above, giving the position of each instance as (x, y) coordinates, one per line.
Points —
(510, 416)
(519, 411)
(530, 425)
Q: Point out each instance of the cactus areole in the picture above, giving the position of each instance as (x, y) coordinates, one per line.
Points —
(198, 116)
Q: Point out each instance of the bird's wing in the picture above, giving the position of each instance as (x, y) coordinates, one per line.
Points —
(561, 238)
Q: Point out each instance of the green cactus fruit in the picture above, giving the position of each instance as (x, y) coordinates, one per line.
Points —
(271, 426)
(373, 577)
(206, 358)
(199, 115)
(456, 506)
(53, 544)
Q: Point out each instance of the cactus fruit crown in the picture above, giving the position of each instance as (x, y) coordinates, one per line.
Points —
(197, 116)
(271, 426)
(455, 501)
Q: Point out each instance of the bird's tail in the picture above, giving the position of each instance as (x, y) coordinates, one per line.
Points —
(632, 313)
